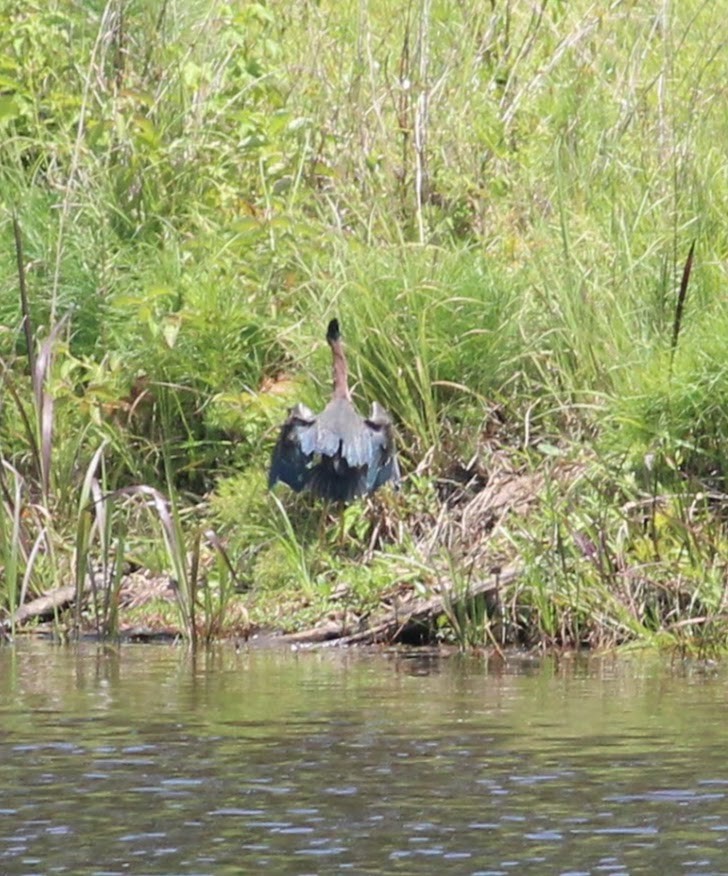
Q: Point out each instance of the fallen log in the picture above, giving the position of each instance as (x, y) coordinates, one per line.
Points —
(329, 630)
(138, 585)
(408, 615)
(44, 606)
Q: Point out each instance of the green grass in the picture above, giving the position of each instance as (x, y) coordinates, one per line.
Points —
(496, 201)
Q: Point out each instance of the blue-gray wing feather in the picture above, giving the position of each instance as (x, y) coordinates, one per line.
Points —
(384, 466)
(292, 459)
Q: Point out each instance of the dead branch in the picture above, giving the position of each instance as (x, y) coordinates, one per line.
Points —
(390, 625)
(44, 605)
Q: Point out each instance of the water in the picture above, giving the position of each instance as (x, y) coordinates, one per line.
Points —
(144, 760)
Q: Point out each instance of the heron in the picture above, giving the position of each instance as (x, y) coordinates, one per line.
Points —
(338, 454)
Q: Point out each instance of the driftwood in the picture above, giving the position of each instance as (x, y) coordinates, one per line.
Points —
(43, 606)
(416, 612)
(394, 624)
(138, 587)
(329, 630)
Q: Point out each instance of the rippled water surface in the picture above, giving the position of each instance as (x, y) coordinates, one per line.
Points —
(145, 760)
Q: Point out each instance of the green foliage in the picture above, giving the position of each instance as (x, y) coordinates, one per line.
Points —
(606, 561)
(674, 411)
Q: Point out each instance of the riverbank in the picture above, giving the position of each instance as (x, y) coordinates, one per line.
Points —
(538, 559)
(518, 217)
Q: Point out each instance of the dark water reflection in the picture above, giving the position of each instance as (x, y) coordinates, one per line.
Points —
(146, 761)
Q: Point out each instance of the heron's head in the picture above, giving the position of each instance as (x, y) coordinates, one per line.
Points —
(333, 332)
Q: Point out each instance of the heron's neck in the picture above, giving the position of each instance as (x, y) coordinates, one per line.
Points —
(340, 371)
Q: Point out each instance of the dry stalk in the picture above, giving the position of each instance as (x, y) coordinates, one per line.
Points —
(569, 42)
(106, 29)
(422, 109)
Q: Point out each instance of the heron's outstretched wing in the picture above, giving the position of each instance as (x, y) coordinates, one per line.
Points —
(383, 465)
(293, 454)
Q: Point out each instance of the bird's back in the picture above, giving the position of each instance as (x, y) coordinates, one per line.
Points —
(342, 431)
